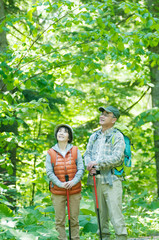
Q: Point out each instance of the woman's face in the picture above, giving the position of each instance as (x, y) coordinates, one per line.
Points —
(62, 135)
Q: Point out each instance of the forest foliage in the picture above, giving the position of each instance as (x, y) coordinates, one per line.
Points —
(60, 61)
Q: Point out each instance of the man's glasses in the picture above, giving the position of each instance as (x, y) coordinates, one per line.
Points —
(107, 114)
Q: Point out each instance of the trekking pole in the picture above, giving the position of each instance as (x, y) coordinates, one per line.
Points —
(95, 189)
(68, 207)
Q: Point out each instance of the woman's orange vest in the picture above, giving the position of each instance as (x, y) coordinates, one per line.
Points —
(62, 167)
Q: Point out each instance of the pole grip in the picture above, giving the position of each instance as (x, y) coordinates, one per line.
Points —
(66, 178)
(95, 189)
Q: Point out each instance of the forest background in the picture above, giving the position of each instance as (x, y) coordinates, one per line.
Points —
(59, 61)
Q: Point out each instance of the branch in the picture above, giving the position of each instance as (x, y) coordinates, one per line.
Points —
(57, 50)
(129, 108)
(15, 36)
(22, 34)
(1, 19)
(67, 63)
(3, 87)
(125, 19)
(35, 75)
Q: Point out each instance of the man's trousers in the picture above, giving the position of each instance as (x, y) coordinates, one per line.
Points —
(110, 208)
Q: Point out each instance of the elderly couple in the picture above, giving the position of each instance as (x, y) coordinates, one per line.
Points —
(101, 157)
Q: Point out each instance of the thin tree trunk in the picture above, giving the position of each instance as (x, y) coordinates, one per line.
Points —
(35, 158)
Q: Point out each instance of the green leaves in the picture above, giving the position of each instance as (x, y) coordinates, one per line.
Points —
(120, 46)
(151, 115)
(88, 223)
(5, 211)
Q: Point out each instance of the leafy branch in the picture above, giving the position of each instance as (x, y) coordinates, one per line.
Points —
(21, 33)
(129, 108)
(37, 74)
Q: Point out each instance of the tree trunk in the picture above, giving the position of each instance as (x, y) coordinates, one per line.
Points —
(3, 38)
(155, 103)
(9, 180)
(153, 6)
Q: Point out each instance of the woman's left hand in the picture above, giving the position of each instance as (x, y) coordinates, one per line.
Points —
(68, 184)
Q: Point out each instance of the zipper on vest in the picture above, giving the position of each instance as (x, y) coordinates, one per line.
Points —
(65, 165)
(70, 157)
(56, 158)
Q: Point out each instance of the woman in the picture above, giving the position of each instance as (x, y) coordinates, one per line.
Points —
(64, 167)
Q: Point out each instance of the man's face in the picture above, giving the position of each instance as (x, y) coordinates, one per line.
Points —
(107, 119)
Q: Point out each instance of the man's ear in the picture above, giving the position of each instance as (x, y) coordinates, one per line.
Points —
(114, 120)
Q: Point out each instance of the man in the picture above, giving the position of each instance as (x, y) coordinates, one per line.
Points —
(101, 157)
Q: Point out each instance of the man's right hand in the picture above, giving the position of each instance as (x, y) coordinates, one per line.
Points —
(91, 165)
(92, 171)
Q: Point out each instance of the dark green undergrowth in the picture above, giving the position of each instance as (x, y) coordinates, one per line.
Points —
(38, 222)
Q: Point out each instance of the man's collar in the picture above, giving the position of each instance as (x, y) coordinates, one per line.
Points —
(108, 131)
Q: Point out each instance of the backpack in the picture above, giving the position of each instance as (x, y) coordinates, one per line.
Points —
(125, 168)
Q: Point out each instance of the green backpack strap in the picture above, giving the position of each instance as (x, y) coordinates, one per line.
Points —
(119, 169)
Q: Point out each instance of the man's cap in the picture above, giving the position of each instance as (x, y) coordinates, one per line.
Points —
(111, 109)
(70, 130)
